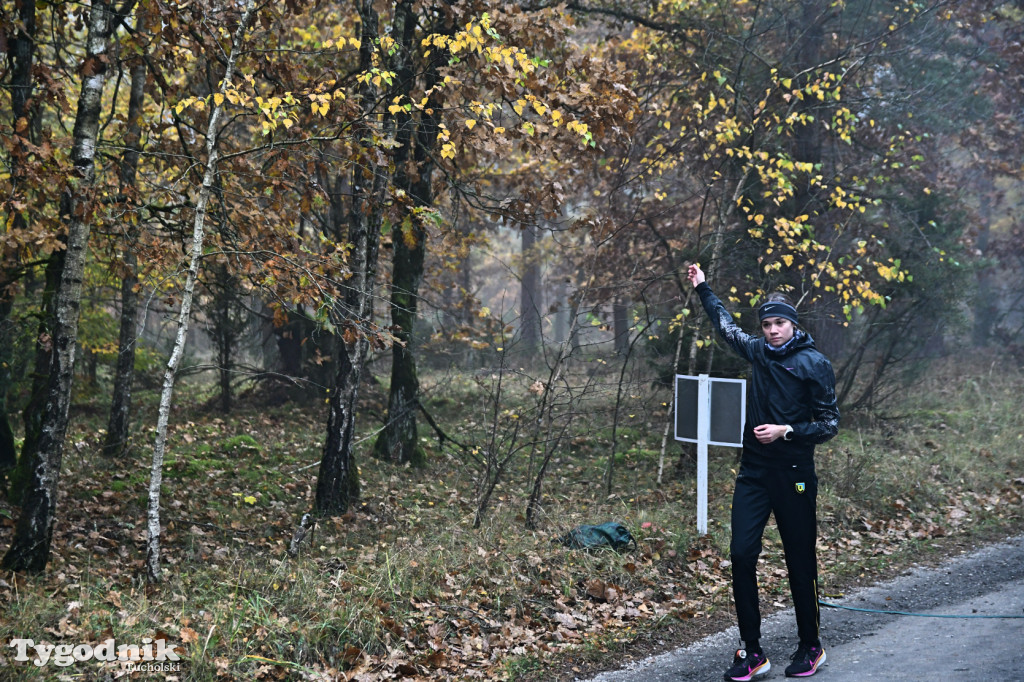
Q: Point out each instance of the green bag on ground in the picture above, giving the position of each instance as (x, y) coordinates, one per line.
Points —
(612, 534)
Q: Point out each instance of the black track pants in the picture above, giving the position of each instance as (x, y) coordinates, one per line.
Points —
(791, 494)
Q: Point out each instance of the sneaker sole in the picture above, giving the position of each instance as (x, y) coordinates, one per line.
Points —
(756, 672)
(814, 668)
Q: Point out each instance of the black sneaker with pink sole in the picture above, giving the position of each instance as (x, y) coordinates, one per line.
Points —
(806, 661)
(747, 666)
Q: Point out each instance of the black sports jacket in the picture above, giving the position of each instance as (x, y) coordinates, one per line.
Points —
(795, 386)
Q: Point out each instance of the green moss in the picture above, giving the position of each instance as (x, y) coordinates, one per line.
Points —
(242, 441)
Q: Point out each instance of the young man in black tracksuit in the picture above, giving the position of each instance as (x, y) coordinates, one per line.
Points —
(790, 408)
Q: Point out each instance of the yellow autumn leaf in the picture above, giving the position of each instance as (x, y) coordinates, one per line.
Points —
(787, 259)
(218, 99)
(470, 123)
(539, 108)
(249, 499)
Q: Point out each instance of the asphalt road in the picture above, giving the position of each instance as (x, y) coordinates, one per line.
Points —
(874, 646)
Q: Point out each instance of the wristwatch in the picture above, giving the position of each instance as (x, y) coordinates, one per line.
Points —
(788, 435)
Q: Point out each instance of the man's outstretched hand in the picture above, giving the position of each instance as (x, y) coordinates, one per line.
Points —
(695, 274)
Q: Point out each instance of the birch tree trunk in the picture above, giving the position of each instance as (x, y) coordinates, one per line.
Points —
(30, 548)
(116, 440)
(338, 480)
(34, 413)
(195, 254)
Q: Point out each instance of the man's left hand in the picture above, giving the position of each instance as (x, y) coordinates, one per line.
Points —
(768, 433)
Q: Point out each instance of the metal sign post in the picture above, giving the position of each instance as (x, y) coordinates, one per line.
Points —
(709, 411)
(703, 435)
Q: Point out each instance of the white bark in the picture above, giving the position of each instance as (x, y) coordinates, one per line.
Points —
(30, 547)
(198, 234)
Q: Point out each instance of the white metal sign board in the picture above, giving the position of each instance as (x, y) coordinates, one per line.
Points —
(708, 411)
(726, 404)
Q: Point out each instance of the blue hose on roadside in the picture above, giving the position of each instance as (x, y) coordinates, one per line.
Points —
(920, 615)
